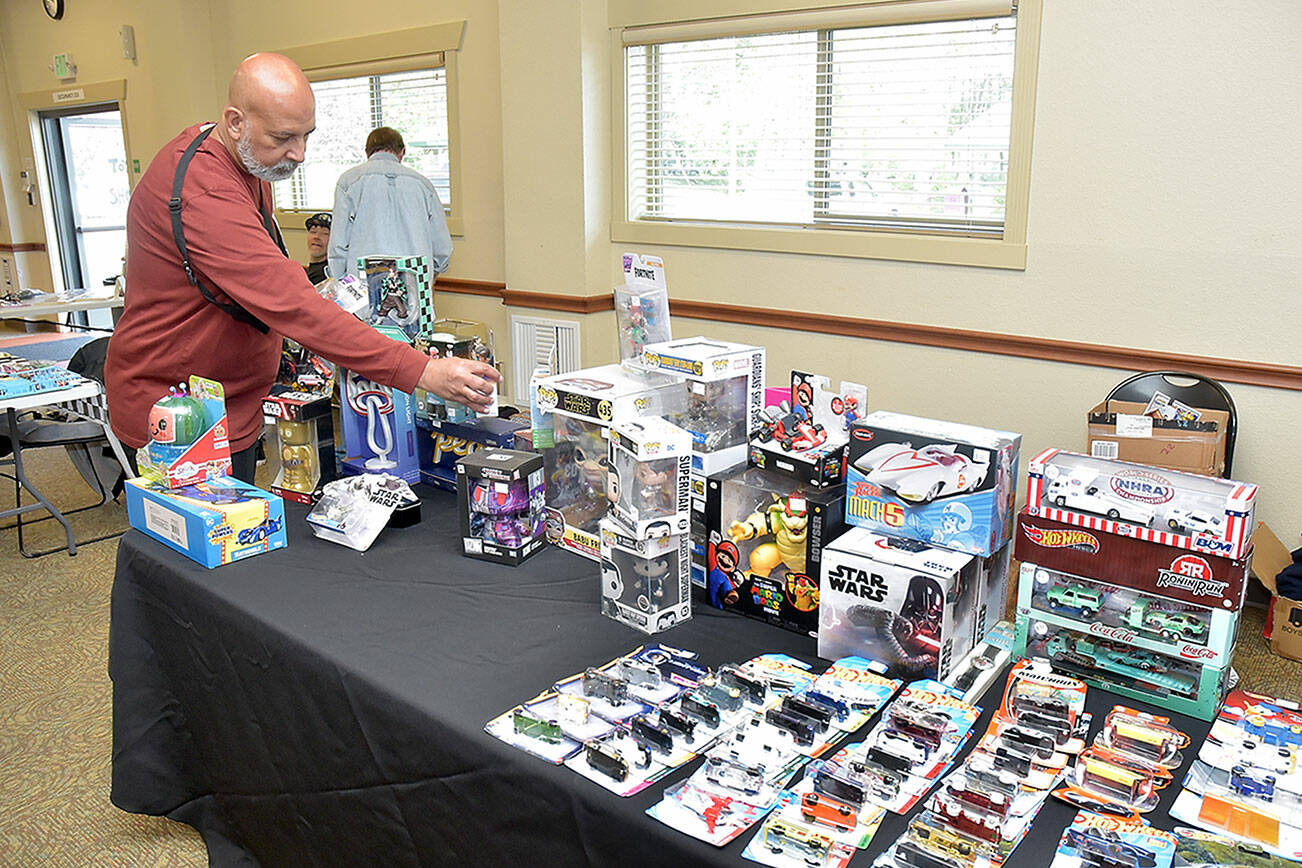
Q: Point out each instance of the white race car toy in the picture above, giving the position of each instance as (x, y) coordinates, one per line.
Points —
(922, 475)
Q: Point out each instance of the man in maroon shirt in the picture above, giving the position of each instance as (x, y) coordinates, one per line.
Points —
(169, 329)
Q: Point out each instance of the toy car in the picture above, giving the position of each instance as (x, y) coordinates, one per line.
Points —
(910, 854)
(902, 746)
(530, 725)
(941, 840)
(919, 722)
(603, 686)
(790, 431)
(1078, 492)
(700, 708)
(1105, 847)
(606, 760)
(639, 673)
(970, 821)
(835, 783)
(780, 837)
(1248, 781)
(799, 727)
(1194, 521)
(922, 475)
(819, 808)
(736, 776)
(1083, 600)
(1174, 625)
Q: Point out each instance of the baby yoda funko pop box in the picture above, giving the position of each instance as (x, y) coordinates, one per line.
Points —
(765, 538)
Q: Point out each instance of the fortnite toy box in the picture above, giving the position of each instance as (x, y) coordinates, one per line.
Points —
(214, 522)
(1128, 431)
(1198, 513)
(898, 601)
(764, 543)
(942, 483)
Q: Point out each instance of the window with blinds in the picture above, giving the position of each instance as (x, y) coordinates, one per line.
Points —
(415, 103)
(899, 127)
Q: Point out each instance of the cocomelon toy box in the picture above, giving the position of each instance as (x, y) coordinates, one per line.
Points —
(765, 537)
(942, 483)
(213, 522)
(898, 601)
(188, 436)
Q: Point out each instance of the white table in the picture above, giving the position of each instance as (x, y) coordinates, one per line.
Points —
(85, 400)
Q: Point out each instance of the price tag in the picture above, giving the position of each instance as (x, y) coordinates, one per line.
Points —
(1129, 425)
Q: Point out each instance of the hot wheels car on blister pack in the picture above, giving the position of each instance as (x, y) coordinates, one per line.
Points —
(1143, 736)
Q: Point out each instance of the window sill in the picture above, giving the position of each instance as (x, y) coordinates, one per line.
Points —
(858, 244)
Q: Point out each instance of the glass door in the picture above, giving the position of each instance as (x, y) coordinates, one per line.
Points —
(88, 180)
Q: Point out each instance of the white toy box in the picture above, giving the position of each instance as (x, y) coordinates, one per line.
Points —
(650, 477)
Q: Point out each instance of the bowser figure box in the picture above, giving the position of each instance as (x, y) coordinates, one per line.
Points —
(764, 542)
(942, 483)
(896, 600)
(214, 522)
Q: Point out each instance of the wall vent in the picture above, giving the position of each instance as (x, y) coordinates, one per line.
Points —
(541, 343)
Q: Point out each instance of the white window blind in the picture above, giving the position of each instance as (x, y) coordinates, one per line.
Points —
(899, 127)
(414, 103)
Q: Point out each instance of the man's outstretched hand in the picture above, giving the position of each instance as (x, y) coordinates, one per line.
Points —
(465, 381)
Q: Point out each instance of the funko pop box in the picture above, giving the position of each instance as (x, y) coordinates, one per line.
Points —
(901, 602)
(214, 522)
(765, 537)
(650, 476)
(645, 583)
(942, 483)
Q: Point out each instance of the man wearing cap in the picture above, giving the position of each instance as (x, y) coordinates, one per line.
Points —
(383, 208)
(212, 288)
(318, 241)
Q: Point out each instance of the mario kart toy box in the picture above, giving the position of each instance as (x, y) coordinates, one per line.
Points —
(805, 435)
(212, 522)
(764, 543)
(942, 483)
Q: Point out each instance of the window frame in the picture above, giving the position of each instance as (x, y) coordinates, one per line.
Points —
(867, 242)
(431, 47)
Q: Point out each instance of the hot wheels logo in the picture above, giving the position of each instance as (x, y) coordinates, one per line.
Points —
(1142, 486)
(1052, 538)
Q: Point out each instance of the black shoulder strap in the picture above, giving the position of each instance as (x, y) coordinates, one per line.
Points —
(234, 310)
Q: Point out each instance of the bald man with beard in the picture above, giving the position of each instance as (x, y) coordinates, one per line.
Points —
(223, 317)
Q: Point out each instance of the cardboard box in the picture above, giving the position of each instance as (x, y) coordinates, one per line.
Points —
(900, 602)
(1284, 617)
(386, 443)
(645, 583)
(764, 545)
(1120, 430)
(1198, 513)
(942, 483)
(439, 445)
(171, 456)
(808, 440)
(214, 522)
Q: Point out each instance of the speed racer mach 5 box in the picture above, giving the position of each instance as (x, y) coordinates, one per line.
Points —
(214, 522)
(941, 483)
(1155, 569)
(765, 536)
(898, 601)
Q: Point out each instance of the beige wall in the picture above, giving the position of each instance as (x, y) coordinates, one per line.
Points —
(1164, 176)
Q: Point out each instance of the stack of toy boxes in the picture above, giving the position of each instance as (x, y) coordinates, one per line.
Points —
(645, 561)
(500, 492)
(937, 498)
(724, 407)
(305, 441)
(574, 412)
(806, 436)
(1133, 577)
(765, 536)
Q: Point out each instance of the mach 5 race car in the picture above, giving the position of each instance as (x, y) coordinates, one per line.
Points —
(922, 475)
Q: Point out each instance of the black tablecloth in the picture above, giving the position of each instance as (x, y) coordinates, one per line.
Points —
(319, 706)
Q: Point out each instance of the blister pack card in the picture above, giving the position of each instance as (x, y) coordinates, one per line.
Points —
(1094, 839)
(856, 689)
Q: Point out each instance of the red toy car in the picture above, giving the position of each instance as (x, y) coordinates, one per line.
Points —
(790, 431)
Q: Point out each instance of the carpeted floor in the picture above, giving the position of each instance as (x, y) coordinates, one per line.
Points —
(56, 700)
